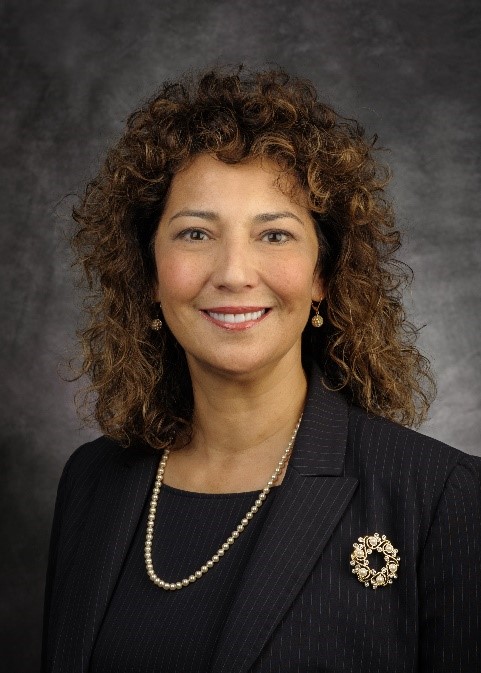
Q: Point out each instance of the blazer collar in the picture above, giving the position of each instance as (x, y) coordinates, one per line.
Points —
(302, 517)
(321, 440)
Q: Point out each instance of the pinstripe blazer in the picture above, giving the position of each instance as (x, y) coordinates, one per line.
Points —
(299, 608)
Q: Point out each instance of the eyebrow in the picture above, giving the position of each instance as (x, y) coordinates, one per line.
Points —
(211, 216)
(202, 214)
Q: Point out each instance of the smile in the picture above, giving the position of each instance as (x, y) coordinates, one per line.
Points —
(236, 317)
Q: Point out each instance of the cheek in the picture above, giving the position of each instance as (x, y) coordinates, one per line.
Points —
(293, 280)
(178, 277)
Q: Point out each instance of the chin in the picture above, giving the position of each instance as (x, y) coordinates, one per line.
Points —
(241, 368)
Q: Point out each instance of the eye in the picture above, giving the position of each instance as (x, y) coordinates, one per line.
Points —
(277, 236)
(192, 235)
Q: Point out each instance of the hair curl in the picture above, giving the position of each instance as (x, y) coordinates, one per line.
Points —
(366, 348)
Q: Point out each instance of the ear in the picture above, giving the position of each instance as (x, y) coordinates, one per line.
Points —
(155, 285)
(318, 292)
(156, 293)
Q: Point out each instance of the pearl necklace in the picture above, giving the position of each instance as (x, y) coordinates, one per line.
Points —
(230, 540)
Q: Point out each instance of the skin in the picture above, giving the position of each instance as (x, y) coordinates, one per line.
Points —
(230, 240)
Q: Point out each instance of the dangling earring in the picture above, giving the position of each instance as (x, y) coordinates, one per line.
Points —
(316, 320)
(156, 323)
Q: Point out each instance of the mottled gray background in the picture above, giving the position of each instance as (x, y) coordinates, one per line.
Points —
(73, 69)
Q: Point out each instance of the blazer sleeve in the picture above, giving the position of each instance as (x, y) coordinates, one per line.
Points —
(450, 577)
(60, 501)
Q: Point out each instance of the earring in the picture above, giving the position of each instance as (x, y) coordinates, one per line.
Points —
(316, 320)
(156, 323)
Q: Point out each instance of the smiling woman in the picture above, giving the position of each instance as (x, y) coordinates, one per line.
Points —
(252, 370)
(236, 263)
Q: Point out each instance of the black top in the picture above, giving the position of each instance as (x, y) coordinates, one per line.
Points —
(148, 629)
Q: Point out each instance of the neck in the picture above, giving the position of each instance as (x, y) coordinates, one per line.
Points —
(240, 429)
(232, 415)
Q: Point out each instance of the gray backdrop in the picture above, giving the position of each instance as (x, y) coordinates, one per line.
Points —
(75, 68)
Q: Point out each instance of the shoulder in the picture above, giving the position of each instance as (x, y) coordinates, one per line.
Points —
(92, 456)
(407, 471)
(379, 442)
(99, 457)
(92, 466)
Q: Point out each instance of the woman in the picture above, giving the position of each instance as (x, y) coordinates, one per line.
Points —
(255, 503)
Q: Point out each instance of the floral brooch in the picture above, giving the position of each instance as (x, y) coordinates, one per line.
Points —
(359, 559)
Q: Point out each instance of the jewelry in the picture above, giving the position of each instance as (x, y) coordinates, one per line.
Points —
(230, 540)
(366, 545)
(156, 323)
(316, 320)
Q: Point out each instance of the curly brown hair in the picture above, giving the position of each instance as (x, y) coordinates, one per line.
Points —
(366, 348)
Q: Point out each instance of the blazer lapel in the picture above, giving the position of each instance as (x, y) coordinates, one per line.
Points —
(111, 522)
(304, 513)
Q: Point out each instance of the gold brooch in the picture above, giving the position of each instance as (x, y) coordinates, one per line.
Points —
(359, 559)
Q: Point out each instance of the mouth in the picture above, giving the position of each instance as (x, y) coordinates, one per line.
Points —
(235, 317)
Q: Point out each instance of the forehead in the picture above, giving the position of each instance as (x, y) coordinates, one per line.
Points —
(262, 179)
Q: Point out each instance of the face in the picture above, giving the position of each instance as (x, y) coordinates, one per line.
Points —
(236, 266)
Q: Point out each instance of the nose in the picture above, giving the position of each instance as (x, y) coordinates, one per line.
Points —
(235, 265)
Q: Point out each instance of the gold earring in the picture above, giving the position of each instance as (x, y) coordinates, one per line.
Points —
(156, 323)
(316, 320)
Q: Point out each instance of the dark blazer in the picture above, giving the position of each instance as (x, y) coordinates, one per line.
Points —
(300, 608)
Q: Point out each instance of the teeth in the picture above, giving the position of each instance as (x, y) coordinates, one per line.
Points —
(236, 317)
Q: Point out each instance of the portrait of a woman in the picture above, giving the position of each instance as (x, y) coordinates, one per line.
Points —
(258, 500)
